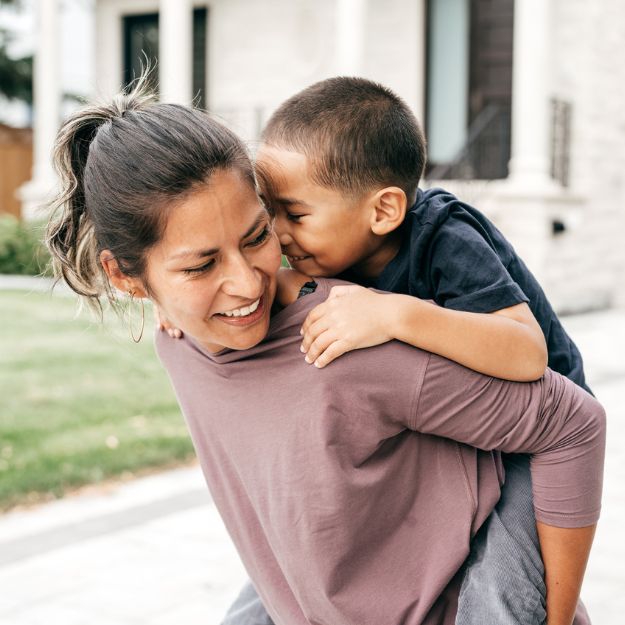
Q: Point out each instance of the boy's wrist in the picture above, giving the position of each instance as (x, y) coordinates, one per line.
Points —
(400, 315)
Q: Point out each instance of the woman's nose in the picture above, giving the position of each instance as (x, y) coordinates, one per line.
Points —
(242, 279)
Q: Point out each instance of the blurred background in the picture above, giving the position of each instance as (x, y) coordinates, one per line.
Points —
(523, 106)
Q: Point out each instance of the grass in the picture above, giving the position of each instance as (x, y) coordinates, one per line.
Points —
(79, 401)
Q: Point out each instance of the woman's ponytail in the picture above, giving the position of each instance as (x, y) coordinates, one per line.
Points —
(70, 234)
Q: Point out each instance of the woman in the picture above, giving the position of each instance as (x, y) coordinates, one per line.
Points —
(351, 493)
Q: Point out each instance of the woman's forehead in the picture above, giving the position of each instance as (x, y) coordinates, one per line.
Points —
(214, 215)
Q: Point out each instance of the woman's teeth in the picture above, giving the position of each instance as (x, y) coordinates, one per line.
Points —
(242, 312)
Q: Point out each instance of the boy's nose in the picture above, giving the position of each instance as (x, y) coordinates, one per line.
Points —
(282, 230)
(285, 239)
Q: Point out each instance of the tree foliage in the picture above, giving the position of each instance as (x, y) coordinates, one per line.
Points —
(16, 81)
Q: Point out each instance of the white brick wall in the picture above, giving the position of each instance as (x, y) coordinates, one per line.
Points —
(586, 264)
(261, 53)
(582, 268)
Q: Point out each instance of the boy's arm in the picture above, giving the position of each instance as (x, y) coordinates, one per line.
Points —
(562, 426)
(462, 266)
(507, 343)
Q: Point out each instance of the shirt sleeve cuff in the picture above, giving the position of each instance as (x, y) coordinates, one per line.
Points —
(488, 300)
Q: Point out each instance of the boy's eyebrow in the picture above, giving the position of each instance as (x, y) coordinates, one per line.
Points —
(204, 253)
(290, 201)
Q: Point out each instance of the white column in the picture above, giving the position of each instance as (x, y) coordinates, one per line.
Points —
(109, 48)
(420, 53)
(530, 197)
(175, 51)
(351, 18)
(529, 164)
(46, 108)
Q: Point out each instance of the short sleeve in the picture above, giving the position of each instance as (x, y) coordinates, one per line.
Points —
(466, 273)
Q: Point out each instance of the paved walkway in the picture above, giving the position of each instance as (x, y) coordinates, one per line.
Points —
(32, 283)
(154, 551)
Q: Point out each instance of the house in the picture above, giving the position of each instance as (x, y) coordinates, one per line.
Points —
(521, 100)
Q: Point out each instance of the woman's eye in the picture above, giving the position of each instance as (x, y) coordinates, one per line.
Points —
(261, 237)
(293, 217)
(201, 269)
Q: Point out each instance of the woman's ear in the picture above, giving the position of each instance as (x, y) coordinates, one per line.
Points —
(389, 210)
(118, 278)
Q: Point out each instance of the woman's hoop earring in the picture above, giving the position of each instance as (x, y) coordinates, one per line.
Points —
(132, 335)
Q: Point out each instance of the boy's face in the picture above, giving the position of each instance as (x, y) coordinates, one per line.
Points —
(322, 231)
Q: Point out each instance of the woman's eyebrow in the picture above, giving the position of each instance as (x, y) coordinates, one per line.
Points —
(204, 253)
(194, 253)
(262, 214)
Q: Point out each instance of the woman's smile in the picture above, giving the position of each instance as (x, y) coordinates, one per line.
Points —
(245, 316)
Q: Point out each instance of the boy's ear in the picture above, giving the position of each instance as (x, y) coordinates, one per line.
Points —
(389, 210)
(118, 278)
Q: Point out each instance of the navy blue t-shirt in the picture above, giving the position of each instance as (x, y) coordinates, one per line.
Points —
(454, 255)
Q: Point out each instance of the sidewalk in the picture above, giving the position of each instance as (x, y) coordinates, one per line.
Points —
(154, 551)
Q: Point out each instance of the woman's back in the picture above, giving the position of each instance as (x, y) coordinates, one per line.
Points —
(340, 511)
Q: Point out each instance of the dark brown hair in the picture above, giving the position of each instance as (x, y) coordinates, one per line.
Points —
(121, 164)
(357, 135)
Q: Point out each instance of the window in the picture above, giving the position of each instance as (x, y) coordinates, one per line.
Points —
(469, 87)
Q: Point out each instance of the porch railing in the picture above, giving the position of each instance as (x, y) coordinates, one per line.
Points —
(486, 152)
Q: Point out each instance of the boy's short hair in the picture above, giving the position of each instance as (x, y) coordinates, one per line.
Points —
(356, 133)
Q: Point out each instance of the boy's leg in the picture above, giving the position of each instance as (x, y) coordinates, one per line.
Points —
(504, 574)
(247, 609)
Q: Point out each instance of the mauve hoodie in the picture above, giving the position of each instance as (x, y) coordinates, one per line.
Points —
(352, 492)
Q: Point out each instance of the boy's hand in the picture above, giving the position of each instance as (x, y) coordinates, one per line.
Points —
(164, 324)
(351, 318)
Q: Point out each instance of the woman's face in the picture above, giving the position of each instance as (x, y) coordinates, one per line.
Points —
(213, 273)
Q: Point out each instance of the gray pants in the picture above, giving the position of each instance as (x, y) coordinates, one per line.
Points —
(504, 576)
(503, 582)
(247, 609)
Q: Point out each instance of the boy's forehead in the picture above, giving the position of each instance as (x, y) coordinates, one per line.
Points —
(281, 169)
(282, 160)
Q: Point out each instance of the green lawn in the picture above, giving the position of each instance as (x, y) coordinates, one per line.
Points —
(79, 401)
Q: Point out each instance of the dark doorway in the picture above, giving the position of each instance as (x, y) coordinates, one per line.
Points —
(141, 46)
(490, 84)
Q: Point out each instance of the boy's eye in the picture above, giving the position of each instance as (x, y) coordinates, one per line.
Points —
(201, 268)
(261, 237)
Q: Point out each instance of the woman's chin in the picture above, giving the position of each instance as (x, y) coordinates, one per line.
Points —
(237, 334)
(251, 337)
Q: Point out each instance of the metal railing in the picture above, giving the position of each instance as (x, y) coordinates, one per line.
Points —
(560, 157)
(486, 152)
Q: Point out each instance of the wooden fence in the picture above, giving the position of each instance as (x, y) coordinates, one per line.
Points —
(16, 161)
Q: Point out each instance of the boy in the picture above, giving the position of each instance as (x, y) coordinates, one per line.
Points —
(339, 164)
